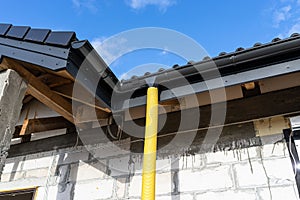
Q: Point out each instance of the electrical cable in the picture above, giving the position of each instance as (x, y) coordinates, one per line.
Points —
(117, 137)
(292, 155)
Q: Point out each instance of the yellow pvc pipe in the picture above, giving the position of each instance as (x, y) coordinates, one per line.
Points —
(150, 145)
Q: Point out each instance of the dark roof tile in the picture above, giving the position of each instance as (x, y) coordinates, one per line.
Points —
(175, 66)
(222, 53)
(257, 44)
(190, 62)
(4, 29)
(18, 32)
(37, 35)
(134, 77)
(276, 39)
(239, 49)
(206, 58)
(295, 35)
(60, 38)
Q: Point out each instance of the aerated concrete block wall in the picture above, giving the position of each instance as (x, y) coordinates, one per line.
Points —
(261, 172)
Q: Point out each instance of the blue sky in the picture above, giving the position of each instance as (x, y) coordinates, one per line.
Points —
(216, 25)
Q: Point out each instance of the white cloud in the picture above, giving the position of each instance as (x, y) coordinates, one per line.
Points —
(161, 4)
(281, 15)
(110, 49)
(88, 4)
(293, 29)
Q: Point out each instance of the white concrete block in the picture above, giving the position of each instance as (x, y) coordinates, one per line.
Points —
(35, 163)
(278, 193)
(73, 157)
(233, 156)
(162, 165)
(100, 189)
(280, 171)
(135, 186)
(37, 173)
(120, 187)
(228, 195)
(247, 178)
(251, 153)
(221, 157)
(12, 176)
(22, 183)
(119, 166)
(191, 161)
(274, 150)
(87, 171)
(163, 184)
(13, 164)
(205, 179)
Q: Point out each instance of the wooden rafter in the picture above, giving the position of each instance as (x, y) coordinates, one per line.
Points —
(25, 123)
(43, 124)
(67, 90)
(41, 91)
(52, 80)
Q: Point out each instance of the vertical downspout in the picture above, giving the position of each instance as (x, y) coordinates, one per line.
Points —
(150, 145)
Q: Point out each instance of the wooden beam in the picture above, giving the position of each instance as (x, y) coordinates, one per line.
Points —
(67, 90)
(65, 74)
(27, 99)
(270, 126)
(25, 123)
(41, 91)
(44, 124)
(52, 100)
(52, 80)
(83, 114)
(279, 103)
(47, 144)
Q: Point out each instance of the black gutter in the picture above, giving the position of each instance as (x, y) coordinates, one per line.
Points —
(94, 75)
(229, 64)
(236, 62)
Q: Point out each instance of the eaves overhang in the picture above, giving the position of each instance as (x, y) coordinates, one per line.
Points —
(245, 65)
(59, 50)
